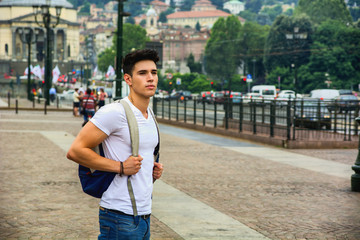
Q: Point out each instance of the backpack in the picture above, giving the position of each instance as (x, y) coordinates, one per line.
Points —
(95, 183)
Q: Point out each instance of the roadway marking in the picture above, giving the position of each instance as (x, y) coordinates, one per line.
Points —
(297, 160)
(188, 217)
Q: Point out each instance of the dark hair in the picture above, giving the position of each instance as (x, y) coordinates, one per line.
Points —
(88, 91)
(136, 56)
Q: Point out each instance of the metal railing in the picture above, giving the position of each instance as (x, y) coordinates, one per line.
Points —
(292, 120)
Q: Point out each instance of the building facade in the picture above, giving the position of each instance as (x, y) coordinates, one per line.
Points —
(234, 6)
(17, 17)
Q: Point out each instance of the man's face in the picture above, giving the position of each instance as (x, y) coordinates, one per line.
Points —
(144, 78)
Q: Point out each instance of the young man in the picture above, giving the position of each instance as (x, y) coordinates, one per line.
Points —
(109, 127)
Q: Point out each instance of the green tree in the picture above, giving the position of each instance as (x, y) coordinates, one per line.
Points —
(106, 58)
(322, 10)
(282, 52)
(253, 5)
(221, 51)
(134, 37)
(252, 41)
(194, 66)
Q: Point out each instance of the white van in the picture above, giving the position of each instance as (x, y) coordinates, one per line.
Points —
(324, 94)
(265, 91)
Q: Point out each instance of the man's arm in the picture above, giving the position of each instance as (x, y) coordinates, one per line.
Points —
(81, 152)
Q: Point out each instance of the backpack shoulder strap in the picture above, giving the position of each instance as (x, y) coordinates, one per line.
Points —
(157, 148)
(133, 128)
(134, 136)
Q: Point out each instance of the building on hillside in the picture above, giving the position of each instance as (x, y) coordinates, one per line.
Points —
(203, 5)
(159, 6)
(94, 11)
(202, 12)
(94, 22)
(206, 19)
(177, 2)
(18, 15)
(234, 6)
(151, 22)
(178, 43)
(110, 6)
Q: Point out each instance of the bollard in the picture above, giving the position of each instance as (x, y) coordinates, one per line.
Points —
(9, 96)
(45, 110)
(16, 106)
(355, 178)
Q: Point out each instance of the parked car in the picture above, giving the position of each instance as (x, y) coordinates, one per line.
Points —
(286, 95)
(324, 94)
(205, 97)
(344, 103)
(312, 114)
(181, 95)
(252, 97)
(66, 95)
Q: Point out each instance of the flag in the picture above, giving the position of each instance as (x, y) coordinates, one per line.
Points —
(110, 72)
(95, 71)
(56, 74)
(37, 71)
(27, 70)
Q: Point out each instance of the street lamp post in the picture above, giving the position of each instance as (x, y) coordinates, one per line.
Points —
(297, 39)
(29, 37)
(46, 15)
(118, 81)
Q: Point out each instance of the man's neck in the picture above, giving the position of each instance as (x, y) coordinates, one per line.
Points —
(140, 103)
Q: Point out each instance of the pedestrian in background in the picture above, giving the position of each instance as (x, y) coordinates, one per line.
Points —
(52, 93)
(76, 102)
(109, 127)
(101, 98)
(88, 105)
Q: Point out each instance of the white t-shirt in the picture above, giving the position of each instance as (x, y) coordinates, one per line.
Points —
(111, 119)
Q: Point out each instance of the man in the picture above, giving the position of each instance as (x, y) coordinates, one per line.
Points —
(109, 127)
(76, 102)
(89, 105)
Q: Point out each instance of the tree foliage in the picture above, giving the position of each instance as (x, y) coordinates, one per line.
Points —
(282, 52)
(322, 10)
(221, 59)
(134, 37)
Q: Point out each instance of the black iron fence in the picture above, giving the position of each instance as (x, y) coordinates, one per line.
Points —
(290, 119)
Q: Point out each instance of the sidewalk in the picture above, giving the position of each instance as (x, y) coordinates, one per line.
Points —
(213, 187)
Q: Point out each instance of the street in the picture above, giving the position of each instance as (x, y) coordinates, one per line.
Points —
(213, 187)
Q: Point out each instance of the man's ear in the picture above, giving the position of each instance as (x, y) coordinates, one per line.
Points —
(128, 79)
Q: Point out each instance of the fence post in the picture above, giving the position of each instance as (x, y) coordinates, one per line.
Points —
(170, 108)
(204, 114)
(226, 107)
(185, 111)
(154, 105)
(177, 110)
(215, 114)
(272, 118)
(288, 121)
(254, 117)
(162, 107)
(241, 112)
(194, 112)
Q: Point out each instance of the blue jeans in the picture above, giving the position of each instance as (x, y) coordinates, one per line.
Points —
(88, 113)
(117, 226)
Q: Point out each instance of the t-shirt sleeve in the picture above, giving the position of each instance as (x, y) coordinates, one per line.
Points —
(109, 118)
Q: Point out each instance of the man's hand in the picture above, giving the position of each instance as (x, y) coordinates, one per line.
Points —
(158, 169)
(132, 165)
